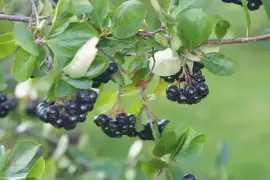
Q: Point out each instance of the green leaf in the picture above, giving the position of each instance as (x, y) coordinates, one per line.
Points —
(99, 65)
(62, 89)
(4, 161)
(23, 65)
(65, 45)
(180, 143)
(21, 155)
(161, 39)
(219, 64)
(222, 27)
(105, 101)
(194, 27)
(247, 15)
(161, 87)
(135, 65)
(81, 83)
(199, 139)
(7, 44)
(118, 78)
(65, 9)
(83, 7)
(128, 19)
(160, 12)
(100, 12)
(266, 4)
(37, 170)
(50, 170)
(20, 176)
(153, 167)
(3, 84)
(166, 144)
(119, 58)
(24, 39)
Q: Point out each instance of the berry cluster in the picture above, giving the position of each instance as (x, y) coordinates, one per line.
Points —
(67, 116)
(188, 177)
(106, 76)
(173, 78)
(194, 90)
(7, 105)
(252, 5)
(124, 124)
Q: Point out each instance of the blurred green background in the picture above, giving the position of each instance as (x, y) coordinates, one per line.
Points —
(236, 111)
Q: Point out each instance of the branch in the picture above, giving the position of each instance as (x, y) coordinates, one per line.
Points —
(237, 40)
(25, 19)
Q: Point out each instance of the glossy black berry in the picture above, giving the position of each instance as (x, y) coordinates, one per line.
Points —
(131, 119)
(169, 79)
(188, 177)
(190, 92)
(202, 89)
(82, 117)
(238, 2)
(253, 5)
(93, 96)
(3, 97)
(182, 99)
(52, 113)
(101, 120)
(113, 68)
(227, 1)
(69, 126)
(3, 113)
(71, 107)
(162, 124)
(121, 118)
(96, 84)
(58, 123)
(83, 96)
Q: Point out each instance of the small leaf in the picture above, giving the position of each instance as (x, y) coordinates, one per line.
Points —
(37, 170)
(118, 78)
(161, 39)
(62, 89)
(153, 167)
(21, 155)
(50, 170)
(99, 65)
(4, 161)
(119, 58)
(266, 4)
(7, 45)
(105, 101)
(81, 83)
(194, 27)
(65, 9)
(128, 19)
(23, 65)
(161, 87)
(135, 65)
(160, 12)
(180, 143)
(83, 7)
(219, 64)
(166, 144)
(100, 12)
(222, 27)
(199, 139)
(24, 39)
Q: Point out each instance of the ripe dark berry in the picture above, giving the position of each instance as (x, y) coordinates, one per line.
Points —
(114, 126)
(32, 107)
(82, 117)
(84, 108)
(3, 113)
(239, 2)
(58, 123)
(162, 124)
(173, 89)
(169, 79)
(121, 118)
(131, 119)
(93, 96)
(96, 84)
(43, 115)
(190, 92)
(188, 177)
(202, 89)
(69, 126)
(52, 113)
(253, 5)
(197, 66)
(113, 68)
(71, 107)
(101, 120)
(3, 97)
(75, 119)
(196, 100)
(182, 99)
(200, 79)
(83, 96)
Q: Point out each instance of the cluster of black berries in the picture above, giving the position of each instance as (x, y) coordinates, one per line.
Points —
(252, 5)
(188, 177)
(194, 90)
(176, 77)
(7, 105)
(106, 76)
(124, 124)
(67, 116)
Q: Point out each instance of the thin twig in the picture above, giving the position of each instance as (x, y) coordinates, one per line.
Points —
(25, 19)
(111, 58)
